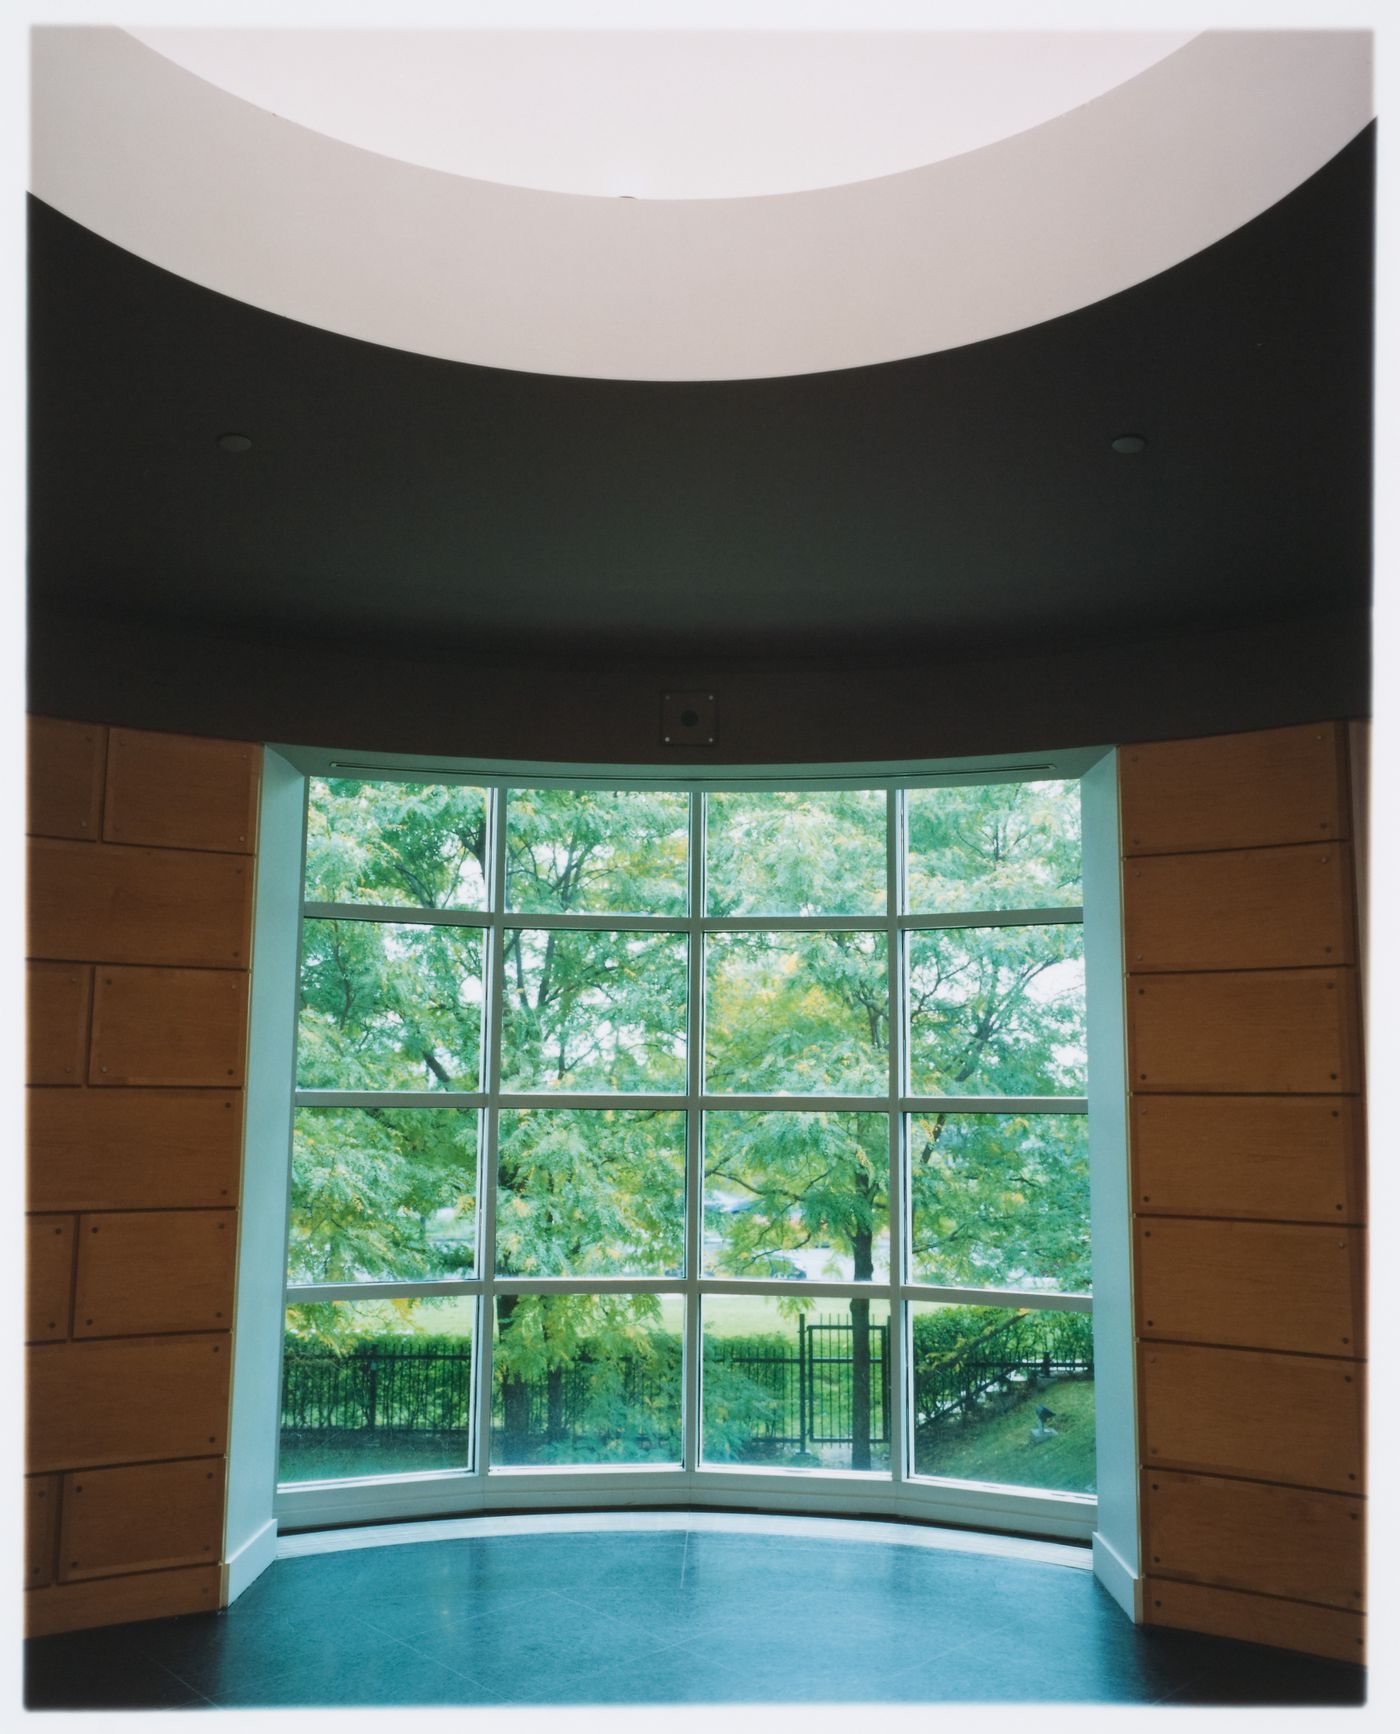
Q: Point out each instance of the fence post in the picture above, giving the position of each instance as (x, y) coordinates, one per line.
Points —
(802, 1383)
(373, 1390)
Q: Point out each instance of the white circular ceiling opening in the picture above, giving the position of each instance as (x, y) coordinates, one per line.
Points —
(665, 115)
(630, 206)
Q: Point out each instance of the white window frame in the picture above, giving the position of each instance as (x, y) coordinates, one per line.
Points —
(893, 1493)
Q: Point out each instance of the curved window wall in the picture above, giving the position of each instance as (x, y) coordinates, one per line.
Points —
(730, 1136)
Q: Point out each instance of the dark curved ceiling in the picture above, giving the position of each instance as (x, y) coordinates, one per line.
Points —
(964, 500)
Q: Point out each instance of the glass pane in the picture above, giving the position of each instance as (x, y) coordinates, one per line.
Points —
(796, 854)
(797, 1196)
(382, 1194)
(997, 846)
(376, 1387)
(590, 1193)
(797, 1013)
(389, 1006)
(418, 845)
(794, 1383)
(593, 1011)
(997, 1011)
(1000, 1201)
(608, 852)
(587, 1378)
(1004, 1395)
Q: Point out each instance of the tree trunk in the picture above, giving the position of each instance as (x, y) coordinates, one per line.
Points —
(515, 1393)
(863, 1250)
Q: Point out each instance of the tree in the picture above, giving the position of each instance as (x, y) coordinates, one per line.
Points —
(998, 1199)
(398, 1005)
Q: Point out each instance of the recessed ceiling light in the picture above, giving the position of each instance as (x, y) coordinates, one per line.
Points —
(1129, 443)
(232, 442)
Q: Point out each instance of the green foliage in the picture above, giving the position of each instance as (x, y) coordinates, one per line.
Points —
(378, 1190)
(571, 1202)
(417, 845)
(796, 854)
(1000, 1200)
(389, 1006)
(387, 1193)
(994, 846)
(593, 1011)
(599, 851)
(997, 1011)
(586, 1378)
(797, 1013)
(815, 1181)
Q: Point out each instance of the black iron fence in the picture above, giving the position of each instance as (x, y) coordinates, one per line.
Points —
(792, 1396)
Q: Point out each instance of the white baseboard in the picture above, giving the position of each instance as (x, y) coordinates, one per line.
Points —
(1118, 1578)
(251, 1560)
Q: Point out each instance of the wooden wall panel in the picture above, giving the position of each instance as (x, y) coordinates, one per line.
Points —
(49, 1263)
(67, 768)
(181, 792)
(1244, 791)
(168, 1026)
(1244, 1032)
(141, 870)
(117, 1601)
(1240, 909)
(1285, 1158)
(58, 996)
(130, 1400)
(1248, 1535)
(1255, 1619)
(133, 1149)
(1240, 866)
(158, 1270)
(1261, 1285)
(41, 1501)
(116, 905)
(1266, 1417)
(145, 1518)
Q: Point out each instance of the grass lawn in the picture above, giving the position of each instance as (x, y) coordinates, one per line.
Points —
(996, 1444)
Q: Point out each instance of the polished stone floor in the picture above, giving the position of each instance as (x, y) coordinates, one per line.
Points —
(665, 1616)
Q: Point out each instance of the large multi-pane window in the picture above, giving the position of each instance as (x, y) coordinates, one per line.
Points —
(744, 1127)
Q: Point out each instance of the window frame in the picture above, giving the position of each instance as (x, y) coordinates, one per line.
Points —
(897, 1491)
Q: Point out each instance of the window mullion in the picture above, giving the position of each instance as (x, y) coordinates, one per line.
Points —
(694, 1182)
(490, 1131)
(896, 1212)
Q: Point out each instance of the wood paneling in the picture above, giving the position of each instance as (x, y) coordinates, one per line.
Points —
(1285, 1158)
(168, 1026)
(117, 905)
(158, 1270)
(181, 792)
(143, 1518)
(41, 1499)
(116, 1601)
(1259, 1285)
(1281, 1031)
(132, 1400)
(141, 870)
(1267, 1417)
(1248, 1535)
(49, 1284)
(1257, 1619)
(133, 1149)
(67, 765)
(1239, 909)
(1234, 791)
(57, 1032)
